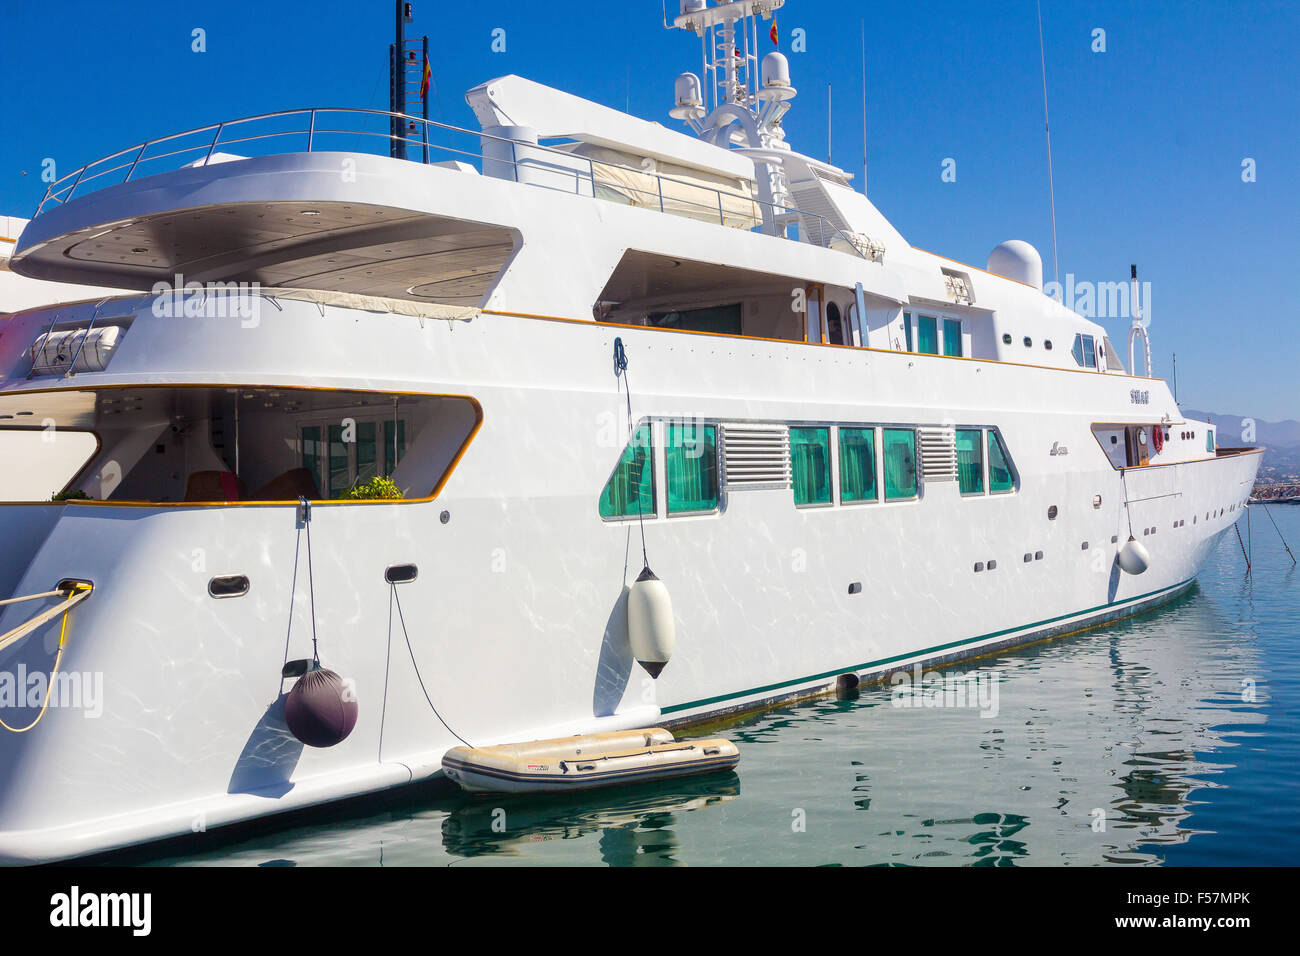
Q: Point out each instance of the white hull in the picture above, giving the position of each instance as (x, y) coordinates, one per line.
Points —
(515, 619)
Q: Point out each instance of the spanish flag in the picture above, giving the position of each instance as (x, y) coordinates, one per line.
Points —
(424, 80)
(773, 35)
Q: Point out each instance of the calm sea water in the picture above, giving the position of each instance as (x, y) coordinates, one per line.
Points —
(1169, 739)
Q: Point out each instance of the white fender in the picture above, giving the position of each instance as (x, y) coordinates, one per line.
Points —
(1133, 557)
(650, 627)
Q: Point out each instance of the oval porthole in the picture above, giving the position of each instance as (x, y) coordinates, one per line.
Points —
(1006, 339)
(401, 573)
(1029, 343)
(228, 586)
(1051, 513)
(1047, 344)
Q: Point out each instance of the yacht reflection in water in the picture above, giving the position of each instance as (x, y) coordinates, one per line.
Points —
(636, 827)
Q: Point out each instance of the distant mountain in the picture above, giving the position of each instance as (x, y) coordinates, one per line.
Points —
(1278, 435)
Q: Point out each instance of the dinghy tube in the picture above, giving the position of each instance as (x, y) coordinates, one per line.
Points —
(582, 763)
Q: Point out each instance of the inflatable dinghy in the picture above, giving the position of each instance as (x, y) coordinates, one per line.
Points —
(580, 763)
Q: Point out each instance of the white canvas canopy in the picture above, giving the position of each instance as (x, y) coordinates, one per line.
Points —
(683, 191)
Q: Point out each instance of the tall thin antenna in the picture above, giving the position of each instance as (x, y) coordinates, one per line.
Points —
(864, 107)
(828, 123)
(1047, 125)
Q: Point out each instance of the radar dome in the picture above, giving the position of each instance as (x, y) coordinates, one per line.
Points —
(687, 90)
(1017, 259)
(776, 70)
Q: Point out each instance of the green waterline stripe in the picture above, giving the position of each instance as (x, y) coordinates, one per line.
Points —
(675, 708)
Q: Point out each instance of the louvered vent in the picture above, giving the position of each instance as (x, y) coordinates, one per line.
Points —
(938, 448)
(755, 456)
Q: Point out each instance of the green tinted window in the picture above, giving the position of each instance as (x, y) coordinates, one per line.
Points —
(927, 334)
(723, 319)
(857, 464)
(907, 329)
(970, 461)
(340, 474)
(691, 452)
(1000, 478)
(631, 489)
(367, 452)
(951, 337)
(900, 463)
(1209, 439)
(311, 451)
(810, 465)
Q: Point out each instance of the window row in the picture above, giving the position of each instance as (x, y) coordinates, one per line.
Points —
(844, 464)
(933, 335)
(691, 464)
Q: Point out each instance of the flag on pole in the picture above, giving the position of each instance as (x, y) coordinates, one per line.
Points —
(424, 79)
(773, 34)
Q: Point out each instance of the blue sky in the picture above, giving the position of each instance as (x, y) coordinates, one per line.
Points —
(1148, 137)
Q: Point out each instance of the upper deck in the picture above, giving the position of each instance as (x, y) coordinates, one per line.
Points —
(661, 232)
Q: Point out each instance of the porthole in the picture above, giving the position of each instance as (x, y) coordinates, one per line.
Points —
(1028, 557)
(992, 565)
(401, 574)
(1038, 555)
(228, 586)
(1047, 344)
(1051, 513)
(1029, 343)
(979, 566)
(1006, 339)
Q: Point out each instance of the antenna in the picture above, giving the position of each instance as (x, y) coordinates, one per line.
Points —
(864, 107)
(1047, 125)
(406, 63)
(828, 123)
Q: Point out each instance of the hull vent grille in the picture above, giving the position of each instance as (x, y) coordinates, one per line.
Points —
(755, 456)
(938, 450)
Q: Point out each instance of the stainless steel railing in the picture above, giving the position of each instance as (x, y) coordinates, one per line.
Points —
(366, 130)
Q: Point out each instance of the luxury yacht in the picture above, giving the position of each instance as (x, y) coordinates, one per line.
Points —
(587, 424)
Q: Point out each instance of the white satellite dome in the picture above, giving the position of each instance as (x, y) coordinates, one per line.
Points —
(687, 90)
(1017, 259)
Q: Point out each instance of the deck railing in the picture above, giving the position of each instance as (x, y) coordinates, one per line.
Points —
(372, 131)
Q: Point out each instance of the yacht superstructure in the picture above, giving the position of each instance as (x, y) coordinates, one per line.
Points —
(58, 461)
(576, 344)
